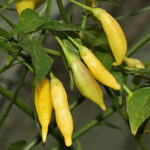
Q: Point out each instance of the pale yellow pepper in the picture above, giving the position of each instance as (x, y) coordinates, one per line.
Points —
(62, 112)
(134, 63)
(98, 69)
(86, 83)
(114, 33)
(24, 4)
(43, 105)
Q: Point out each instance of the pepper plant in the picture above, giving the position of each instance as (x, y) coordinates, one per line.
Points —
(94, 56)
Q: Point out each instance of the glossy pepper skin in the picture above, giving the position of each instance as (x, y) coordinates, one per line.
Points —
(86, 83)
(43, 105)
(114, 33)
(97, 68)
(62, 112)
(24, 4)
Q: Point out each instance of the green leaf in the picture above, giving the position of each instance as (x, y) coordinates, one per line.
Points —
(41, 61)
(98, 41)
(17, 145)
(79, 145)
(29, 20)
(138, 108)
(105, 58)
(135, 82)
(59, 26)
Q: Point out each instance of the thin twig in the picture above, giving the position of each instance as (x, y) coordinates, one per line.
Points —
(5, 114)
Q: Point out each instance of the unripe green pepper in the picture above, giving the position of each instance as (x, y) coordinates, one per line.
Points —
(114, 33)
(85, 81)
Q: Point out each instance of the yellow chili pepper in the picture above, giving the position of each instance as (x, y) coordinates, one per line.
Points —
(43, 105)
(83, 78)
(133, 63)
(114, 33)
(86, 83)
(97, 68)
(62, 112)
(24, 4)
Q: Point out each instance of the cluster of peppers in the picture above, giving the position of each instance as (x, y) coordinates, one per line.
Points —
(51, 94)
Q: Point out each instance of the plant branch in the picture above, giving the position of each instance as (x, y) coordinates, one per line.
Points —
(138, 45)
(77, 103)
(47, 14)
(141, 142)
(53, 52)
(86, 127)
(5, 114)
(33, 143)
(7, 20)
(129, 92)
(19, 103)
(81, 5)
(62, 11)
(145, 9)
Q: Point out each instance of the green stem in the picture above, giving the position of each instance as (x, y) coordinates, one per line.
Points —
(93, 122)
(19, 103)
(43, 9)
(134, 13)
(2, 6)
(5, 114)
(115, 103)
(77, 103)
(82, 5)
(138, 45)
(141, 143)
(47, 14)
(62, 11)
(8, 21)
(129, 92)
(68, 55)
(53, 52)
(84, 21)
(7, 66)
(83, 24)
(73, 41)
(33, 143)
(26, 64)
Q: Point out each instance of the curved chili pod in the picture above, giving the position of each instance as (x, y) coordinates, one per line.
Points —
(86, 83)
(62, 112)
(24, 4)
(114, 33)
(98, 69)
(43, 105)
